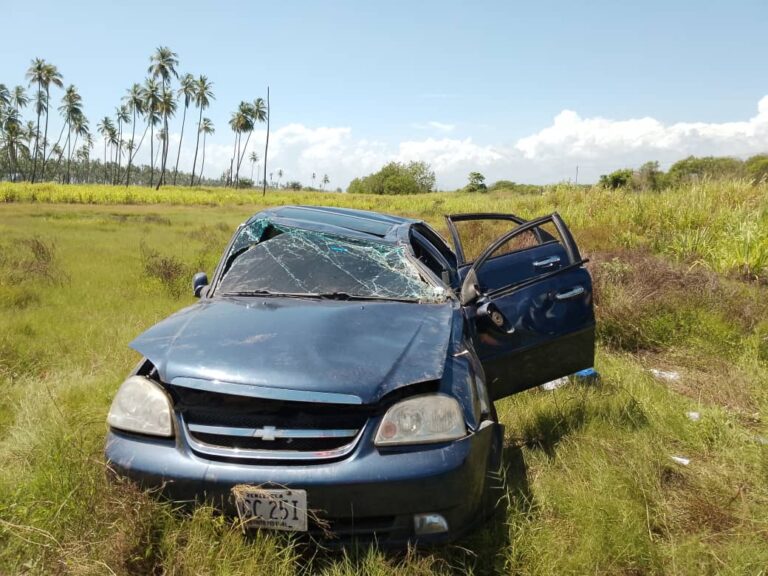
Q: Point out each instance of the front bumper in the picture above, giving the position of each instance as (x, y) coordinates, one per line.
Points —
(370, 493)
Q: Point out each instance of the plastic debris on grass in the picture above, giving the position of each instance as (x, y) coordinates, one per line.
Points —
(586, 376)
(668, 375)
(681, 460)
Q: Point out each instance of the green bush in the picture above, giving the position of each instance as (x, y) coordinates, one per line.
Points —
(396, 178)
(476, 183)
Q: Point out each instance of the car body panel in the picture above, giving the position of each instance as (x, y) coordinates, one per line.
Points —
(303, 344)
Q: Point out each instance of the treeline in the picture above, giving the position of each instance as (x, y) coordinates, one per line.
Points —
(107, 153)
(692, 169)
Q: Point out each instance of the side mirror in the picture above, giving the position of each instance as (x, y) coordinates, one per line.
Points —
(199, 282)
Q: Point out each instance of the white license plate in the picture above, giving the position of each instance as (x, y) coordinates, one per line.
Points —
(274, 509)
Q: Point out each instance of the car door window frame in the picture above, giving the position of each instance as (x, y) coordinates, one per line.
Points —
(470, 289)
(542, 236)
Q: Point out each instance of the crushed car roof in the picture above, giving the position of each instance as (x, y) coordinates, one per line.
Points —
(344, 221)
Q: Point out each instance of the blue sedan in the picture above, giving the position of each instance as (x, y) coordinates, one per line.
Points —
(338, 374)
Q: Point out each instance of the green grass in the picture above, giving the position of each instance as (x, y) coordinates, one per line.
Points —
(680, 285)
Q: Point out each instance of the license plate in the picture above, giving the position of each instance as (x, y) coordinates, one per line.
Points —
(273, 509)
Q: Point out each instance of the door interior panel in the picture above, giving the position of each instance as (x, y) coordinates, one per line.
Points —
(514, 267)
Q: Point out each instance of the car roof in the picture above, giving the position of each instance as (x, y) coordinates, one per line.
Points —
(382, 227)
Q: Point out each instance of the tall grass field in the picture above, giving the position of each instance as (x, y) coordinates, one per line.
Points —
(597, 480)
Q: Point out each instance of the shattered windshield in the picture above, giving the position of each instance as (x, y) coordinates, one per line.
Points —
(268, 259)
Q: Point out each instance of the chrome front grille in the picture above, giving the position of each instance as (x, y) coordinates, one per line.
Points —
(223, 426)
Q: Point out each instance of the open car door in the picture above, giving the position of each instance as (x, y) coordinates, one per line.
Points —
(527, 299)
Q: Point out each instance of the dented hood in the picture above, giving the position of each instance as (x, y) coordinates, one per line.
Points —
(359, 349)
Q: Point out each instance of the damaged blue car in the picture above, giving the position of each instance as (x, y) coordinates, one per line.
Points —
(338, 374)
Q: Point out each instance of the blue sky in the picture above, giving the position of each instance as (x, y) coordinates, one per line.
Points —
(518, 90)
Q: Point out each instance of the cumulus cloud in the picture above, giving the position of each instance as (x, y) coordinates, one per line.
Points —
(596, 144)
(602, 141)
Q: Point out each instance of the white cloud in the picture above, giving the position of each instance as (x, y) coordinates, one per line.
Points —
(433, 125)
(571, 136)
(597, 145)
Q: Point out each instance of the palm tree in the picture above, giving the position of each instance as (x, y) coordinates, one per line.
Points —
(44, 74)
(14, 140)
(5, 97)
(240, 121)
(19, 98)
(279, 176)
(206, 127)
(167, 108)
(123, 116)
(151, 93)
(135, 102)
(71, 110)
(325, 180)
(257, 112)
(79, 126)
(313, 179)
(105, 128)
(162, 64)
(203, 97)
(254, 158)
(187, 90)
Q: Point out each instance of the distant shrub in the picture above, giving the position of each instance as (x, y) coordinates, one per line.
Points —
(617, 179)
(476, 183)
(757, 167)
(510, 186)
(293, 185)
(396, 178)
(245, 183)
(708, 167)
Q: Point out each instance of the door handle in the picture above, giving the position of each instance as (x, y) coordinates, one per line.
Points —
(547, 262)
(572, 293)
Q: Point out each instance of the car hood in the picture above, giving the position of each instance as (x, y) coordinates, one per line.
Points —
(352, 350)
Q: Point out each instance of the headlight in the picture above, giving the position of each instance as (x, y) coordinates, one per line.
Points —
(141, 406)
(421, 420)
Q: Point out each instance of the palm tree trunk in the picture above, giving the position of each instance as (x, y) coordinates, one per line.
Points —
(136, 151)
(266, 146)
(165, 146)
(181, 139)
(151, 152)
(69, 155)
(66, 123)
(202, 163)
(133, 143)
(45, 135)
(240, 160)
(37, 132)
(230, 177)
(116, 179)
(105, 160)
(194, 162)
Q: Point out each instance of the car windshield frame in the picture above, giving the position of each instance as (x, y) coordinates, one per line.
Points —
(398, 273)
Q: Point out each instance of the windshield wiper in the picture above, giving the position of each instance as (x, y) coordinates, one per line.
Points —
(263, 293)
(316, 295)
(348, 296)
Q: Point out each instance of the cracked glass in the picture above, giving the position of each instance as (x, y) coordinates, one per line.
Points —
(269, 258)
